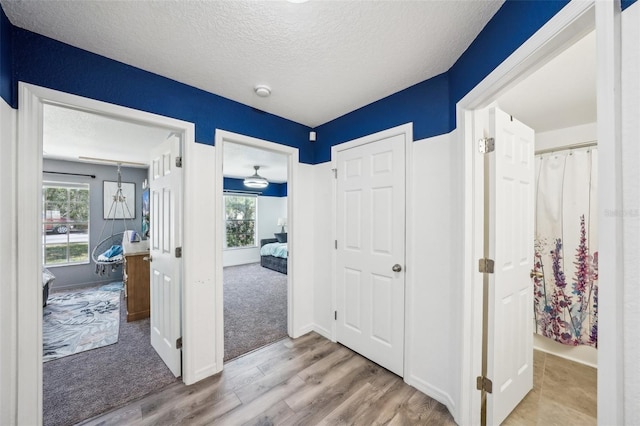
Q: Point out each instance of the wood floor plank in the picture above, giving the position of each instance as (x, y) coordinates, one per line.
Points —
(353, 410)
(319, 384)
(247, 412)
(282, 369)
(273, 416)
(293, 382)
(316, 409)
(298, 359)
(276, 351)
(388, 404)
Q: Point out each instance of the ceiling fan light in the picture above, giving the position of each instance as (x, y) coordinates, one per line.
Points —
(255, 180)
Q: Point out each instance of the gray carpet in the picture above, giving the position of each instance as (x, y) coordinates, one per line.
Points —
(81, 386)
(255, 308)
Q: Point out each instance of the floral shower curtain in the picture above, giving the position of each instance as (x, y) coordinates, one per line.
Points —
(566, 247)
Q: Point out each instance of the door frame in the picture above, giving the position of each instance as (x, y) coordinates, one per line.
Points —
(29, 169)
(575, 20)
(293, 160)
(406, 130)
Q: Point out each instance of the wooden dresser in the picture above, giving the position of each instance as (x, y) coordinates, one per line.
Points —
(136, 278)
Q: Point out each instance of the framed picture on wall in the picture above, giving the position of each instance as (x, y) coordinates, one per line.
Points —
(121, 209)
(145, 213)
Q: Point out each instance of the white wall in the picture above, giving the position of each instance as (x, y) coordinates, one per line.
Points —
(323, 236)
(301, 249)
(8, 249)
(631, 213)
(551, 140)
(269, 210)
(433, 265)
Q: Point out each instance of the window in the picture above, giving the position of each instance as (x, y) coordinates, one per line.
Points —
(65, 223)
(240, 225)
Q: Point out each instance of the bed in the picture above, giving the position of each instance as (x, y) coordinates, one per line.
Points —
(273, 254)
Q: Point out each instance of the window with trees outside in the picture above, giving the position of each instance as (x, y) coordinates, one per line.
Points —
(65, 223)
(240, 220)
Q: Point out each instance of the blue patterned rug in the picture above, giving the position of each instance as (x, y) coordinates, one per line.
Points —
(78, 321)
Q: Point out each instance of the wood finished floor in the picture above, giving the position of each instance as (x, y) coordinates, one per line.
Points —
(307, 381)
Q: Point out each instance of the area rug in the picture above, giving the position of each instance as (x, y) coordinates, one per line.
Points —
(75, 322)
(255, 308)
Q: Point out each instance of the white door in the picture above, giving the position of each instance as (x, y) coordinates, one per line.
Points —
(165, 183)
(510, 301)
(371, 239)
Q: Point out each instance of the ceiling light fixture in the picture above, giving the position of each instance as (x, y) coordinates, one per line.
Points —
(262, 90)
(256, 181)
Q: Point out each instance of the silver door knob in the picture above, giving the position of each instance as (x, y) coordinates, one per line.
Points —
(396, 268)
(148, 258)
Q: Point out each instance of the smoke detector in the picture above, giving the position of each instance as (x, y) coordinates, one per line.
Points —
(262, 90)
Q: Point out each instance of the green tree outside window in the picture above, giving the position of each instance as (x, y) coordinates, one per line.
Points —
(240, 214)
(66, 211)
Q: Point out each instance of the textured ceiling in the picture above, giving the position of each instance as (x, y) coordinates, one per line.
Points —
(239, 160)
(69, 134)
(322, 59)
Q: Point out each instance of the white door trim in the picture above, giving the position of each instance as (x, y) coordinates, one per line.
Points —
(407, 131)
(572, 22)
(222, 136)
(29, 204)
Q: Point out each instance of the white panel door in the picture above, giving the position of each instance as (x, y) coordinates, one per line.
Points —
(165, 183)
(510, 302)
(371, 240)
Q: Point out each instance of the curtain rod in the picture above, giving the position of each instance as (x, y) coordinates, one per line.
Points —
(568, 147)
(70, 174)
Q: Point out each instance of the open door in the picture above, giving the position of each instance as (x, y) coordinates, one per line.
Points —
(165, 183)
(510, 293)
(370, 250)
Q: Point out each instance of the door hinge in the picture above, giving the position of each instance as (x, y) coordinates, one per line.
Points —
(335, 244)
(335, 315)
(485, 266)
(484, 384)
(178, 161)
(179, 343)
(335, 173)
(486, 145)
(178, 251)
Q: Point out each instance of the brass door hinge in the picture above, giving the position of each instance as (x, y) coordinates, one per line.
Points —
(485, 266)
(484, 384)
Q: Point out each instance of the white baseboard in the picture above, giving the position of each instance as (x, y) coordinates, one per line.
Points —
(54, 287)
(303, 330)
(322, 331)
(582, 354)
(433, 392)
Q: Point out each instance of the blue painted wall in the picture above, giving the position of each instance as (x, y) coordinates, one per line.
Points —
(430, 105)
(49, 63)
(426, 104)
(273, 190)
(6, 59)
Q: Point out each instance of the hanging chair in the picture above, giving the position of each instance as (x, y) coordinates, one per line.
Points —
(107, 254)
